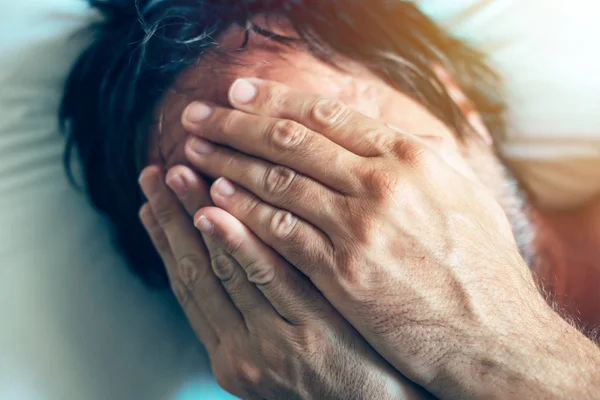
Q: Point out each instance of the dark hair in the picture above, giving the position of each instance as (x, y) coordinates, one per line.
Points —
(141, 46)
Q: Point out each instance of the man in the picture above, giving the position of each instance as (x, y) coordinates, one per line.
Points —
(390, 211)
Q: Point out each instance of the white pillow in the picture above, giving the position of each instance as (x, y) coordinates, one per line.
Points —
(547, 52)
(75, 323)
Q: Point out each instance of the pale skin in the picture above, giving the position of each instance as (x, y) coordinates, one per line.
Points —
(418, 302)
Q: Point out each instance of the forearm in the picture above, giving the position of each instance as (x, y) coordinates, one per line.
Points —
(544, 358)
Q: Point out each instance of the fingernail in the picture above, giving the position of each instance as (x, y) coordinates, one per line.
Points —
(177, 184)
(201, 146)
(149, 183)
(197, 112)
(224, 187)
(243, 91)
(204, 225)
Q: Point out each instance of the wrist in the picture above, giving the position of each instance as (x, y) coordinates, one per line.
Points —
(543, 357)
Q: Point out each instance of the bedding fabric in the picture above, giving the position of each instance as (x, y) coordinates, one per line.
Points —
(75, 324)
(546, 50)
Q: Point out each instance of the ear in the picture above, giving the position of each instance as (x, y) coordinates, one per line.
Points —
(463, 103)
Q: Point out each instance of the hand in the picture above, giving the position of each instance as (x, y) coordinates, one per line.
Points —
(269, 333)
(419, 257)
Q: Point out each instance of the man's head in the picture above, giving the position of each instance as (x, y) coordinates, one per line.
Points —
(150, 59)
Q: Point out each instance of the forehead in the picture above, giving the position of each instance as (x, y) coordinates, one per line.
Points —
(212, 75)
(263, 57)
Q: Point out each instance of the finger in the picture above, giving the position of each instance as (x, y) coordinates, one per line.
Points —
(348, 128)
(274, 184)
(280, 141)
(201, 328)
(191, 190)
(193, 193)
(254, 307)
(289, 292)
(193, 262)
(300, 243)
(158, 238)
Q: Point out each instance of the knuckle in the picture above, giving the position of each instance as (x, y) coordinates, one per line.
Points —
(160, 240)
(283, 225)
(354, 276)
(232, 244)
(329, 111)
(383, 184)
(237, 371)
(285, 134)
(409, 152)
(260, 272)
(364, 231)
(181, 293)
(249, 206)
(230, 160)
(164, 213)
(351, 274)
(227, 121)
(381, 142)
(350, 261)
(223, 266)
(247, 374)
(278, 179)
(312, 340)
(189, 268)
(273, 99)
